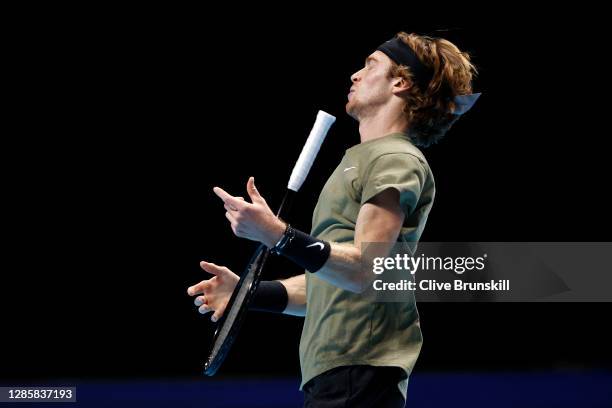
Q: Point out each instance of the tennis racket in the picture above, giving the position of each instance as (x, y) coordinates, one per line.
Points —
(231, 321)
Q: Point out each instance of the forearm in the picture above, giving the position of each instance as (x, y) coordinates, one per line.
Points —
(379, 221)
(346, 266)
(343, 267)
(296, 293)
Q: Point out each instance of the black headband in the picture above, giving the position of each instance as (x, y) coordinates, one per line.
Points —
(402, 54)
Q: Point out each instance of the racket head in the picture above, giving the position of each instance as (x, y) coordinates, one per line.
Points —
(237, 307)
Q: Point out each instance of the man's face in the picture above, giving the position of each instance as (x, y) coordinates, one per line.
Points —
(372, 86)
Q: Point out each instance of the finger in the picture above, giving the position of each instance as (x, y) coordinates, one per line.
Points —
(204, 309)
(214, 269)
(198, 288)
(229, 207)
(252, 190)
(199, 301)
(228, 198)
(230, 217)
(217, 315)
(221, 193)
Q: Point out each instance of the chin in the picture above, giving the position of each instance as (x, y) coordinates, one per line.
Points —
(351, 110)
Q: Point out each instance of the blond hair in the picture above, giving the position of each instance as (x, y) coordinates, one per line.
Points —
(429, 111)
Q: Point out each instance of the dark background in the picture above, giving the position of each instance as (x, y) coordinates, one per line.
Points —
(126, 119)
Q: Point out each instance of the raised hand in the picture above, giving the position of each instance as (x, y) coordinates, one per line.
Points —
(254, 220)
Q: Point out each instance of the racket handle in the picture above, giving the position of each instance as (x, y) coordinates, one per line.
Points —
(310, 150)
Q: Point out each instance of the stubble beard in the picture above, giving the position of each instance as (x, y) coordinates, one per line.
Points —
(353, 109)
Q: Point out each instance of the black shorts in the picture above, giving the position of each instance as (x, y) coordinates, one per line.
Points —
(355, 386)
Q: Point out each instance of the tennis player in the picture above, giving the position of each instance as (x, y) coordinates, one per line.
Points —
(355, 352)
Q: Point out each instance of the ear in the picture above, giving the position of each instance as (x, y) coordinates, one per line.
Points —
(400, 85)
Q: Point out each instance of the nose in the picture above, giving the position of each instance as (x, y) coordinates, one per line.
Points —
(355, 77)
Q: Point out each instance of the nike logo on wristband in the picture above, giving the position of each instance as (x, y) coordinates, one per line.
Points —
(348, 168)
(317, 243)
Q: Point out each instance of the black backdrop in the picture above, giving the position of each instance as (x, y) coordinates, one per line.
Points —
(132, 118)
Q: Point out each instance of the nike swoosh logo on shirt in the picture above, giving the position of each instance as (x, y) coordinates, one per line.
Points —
(348, 168)
(317, 243)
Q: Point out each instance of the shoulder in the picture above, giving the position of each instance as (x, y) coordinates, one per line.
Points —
(396, 152)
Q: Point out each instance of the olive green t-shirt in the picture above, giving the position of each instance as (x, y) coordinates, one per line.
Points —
(345, 328)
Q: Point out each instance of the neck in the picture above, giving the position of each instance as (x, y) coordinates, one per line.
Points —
(384, 122)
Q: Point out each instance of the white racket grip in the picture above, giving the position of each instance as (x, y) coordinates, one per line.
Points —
(310, 150)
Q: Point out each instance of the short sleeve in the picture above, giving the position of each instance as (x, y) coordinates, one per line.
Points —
(400, 171)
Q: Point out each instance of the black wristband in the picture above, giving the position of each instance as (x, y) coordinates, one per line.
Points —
(305, 250)
(271, 296)
(278, 248)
